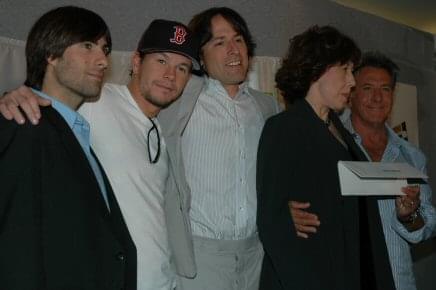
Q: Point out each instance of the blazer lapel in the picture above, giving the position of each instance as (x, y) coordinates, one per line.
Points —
(353, 148)
(78, 159)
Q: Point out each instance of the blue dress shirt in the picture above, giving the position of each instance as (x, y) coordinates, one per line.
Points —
(80, 128)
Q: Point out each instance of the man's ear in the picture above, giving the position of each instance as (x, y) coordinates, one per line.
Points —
(250, 62)
(52, 60)
(136, 62)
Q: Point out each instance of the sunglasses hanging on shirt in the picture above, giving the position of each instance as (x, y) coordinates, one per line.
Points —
(153, 139)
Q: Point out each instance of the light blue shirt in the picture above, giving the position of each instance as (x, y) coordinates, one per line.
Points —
(396, 235)
(80, 128)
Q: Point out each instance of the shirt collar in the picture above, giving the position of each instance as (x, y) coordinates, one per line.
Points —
(70, 116)
(214, 86)
(75, 121)
(394, 141)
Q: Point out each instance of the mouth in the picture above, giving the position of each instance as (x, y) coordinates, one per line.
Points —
(346, 95)
(375, 108)
(164, 86)
(234, 63)
(98, 76)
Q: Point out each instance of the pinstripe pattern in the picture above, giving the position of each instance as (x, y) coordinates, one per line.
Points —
(396, 236)
(219, 149)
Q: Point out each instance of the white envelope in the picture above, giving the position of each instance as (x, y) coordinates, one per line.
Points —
(375, 178)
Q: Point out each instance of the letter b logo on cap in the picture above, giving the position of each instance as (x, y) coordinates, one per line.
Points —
(179, 35)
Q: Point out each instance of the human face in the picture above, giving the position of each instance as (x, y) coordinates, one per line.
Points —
(159, 79)
(225, 55)
(372, 99)
(334, 86)
(78, 74)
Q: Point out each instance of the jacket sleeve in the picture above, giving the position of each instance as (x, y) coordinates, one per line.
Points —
(276, 229)
(20, 231)
(427, 209)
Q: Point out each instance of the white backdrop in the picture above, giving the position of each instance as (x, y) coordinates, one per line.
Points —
(13, 71)
(13, 68)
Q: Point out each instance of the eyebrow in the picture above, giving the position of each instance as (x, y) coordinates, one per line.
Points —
(223, 37)
(382, 85)
(165, 54)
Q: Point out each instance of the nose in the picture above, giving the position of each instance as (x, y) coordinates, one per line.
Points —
(170, 72)
(376, 95)
(351, 80)
(233, 47)
(102, 60)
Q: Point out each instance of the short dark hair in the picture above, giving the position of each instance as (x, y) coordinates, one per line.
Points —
(379, 60)
(309, 55)
(201, 26)
(56, 30)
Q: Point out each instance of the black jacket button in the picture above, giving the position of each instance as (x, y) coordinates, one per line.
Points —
(121, 257)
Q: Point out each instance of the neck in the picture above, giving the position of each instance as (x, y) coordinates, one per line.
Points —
(147, 108)
(374, 137)
(320, 110)
(232, 90)
(62, 94)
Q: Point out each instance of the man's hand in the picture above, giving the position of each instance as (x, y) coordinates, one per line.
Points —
(23, 98)
(407, 207)
(407, 204)
(305, 222)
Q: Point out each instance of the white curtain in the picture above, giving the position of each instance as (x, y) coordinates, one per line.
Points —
(12, 63)
(261, 77)
(13, 68)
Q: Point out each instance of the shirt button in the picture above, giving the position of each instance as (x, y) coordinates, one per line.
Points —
(121, 257)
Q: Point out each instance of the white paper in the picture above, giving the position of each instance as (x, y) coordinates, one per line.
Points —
(375, 178)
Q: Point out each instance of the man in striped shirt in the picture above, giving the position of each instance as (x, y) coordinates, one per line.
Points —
(219, 147)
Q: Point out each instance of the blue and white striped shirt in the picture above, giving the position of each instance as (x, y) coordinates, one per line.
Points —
(396, 235)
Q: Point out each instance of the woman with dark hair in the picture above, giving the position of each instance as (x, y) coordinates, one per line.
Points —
(297, 161)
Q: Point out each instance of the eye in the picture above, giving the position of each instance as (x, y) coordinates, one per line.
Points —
(161, 61)
(219, 43)
(239, 39)
(184, 69)
(366, 88)
(387, 89)
(88, 45)
(346, 67)
(106, 50)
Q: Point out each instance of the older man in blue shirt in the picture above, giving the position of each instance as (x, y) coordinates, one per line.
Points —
(406, 219)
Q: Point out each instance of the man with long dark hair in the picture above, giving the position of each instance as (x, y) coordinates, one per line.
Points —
(219, 146)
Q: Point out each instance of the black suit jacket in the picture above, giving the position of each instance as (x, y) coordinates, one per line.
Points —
(297, 160)
(55, 229)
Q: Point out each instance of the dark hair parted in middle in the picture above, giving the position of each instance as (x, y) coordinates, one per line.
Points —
(54, 32)
(201, 25)
(309, 55)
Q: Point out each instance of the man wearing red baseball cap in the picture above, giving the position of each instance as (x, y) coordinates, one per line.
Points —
(128, 140)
